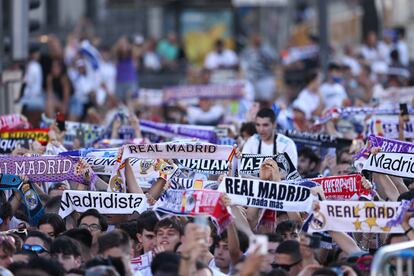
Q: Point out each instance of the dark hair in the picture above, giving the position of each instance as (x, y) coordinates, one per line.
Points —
(167, 262)
(115, 238)
(219, 43)
(309, 154)
(291, 248)
(147, 220)
(248, 127)
(53, 204)
(324, 271)
(287, 226)
(66, 246)
(81, 235)
(6, 211)
(333, 66)
(266, 113)
(274, 237)
(277, 272)
(406, 195)
(110, 261)
(55, 220)
(310, 77)
(129, 227)
(339, 154)
(94, 213)
(50, 266)
(243, 239)
(170, 223)
(395, 55)
(44, 237)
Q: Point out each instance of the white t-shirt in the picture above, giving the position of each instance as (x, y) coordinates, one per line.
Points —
(307, 101)
(283, 144)
(333, 94)
(214, 60)
(34, 79)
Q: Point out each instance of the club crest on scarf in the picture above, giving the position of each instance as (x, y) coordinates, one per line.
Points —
(145, 165)
(116, 184)
(29, 196)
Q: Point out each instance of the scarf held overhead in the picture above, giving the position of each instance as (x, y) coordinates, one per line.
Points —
(388, 127)
(251, 163)
(267, 194)
(194, 203)
(355, 216)
(105, 203)
(45, 168)
(178, 150)
(396, 164)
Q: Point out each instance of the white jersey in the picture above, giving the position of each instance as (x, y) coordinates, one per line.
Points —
(283, 144)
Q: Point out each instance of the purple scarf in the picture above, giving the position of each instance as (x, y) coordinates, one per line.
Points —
(46, 168)
(386, 145)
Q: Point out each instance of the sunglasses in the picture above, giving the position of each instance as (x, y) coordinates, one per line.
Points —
(34, 248)
(285, 267)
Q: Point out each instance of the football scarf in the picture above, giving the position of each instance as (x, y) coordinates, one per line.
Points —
(38, 134)
(205, 165)
(105, 203)
(278, 196)
(177, 183)
(396, 164)
(194, 203)
(316, 139)
(29, 195)
(344, 187)
(232, 90)
(386, 145)
(355, 216)
(250, 164)
(46, 168)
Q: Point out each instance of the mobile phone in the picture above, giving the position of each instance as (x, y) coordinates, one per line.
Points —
(259, 240)
(403, 109)
(60, 121)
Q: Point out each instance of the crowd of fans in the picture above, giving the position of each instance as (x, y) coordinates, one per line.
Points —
(91, 83)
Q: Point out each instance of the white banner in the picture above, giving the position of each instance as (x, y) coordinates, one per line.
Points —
(392, 163)
(104, 202)
(267, 194)
(178, 151)
(355, 216)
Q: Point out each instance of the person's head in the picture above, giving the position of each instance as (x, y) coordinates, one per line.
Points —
(93, 221)
(56, 189)
(34, 52)
(395, 56)
(334, 72)
(67, 252)
(247, 130)
(7, 249)
(168, 233)
(219, 45)
(371, 39)
(172, 38)
(308, 161)
(313, 81)
(57, 68)
(205, 104)
(115, 264)
(51, 224)
(5, 216)
(221, 249)
(114, 244)
(38, 242)
(165, 264)
(81, 66)
(344, 156)
(266, 123)
(145, 230)
(396, 238)
(288, 257)
(288, 229)
(343, 168)
(274, 241)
